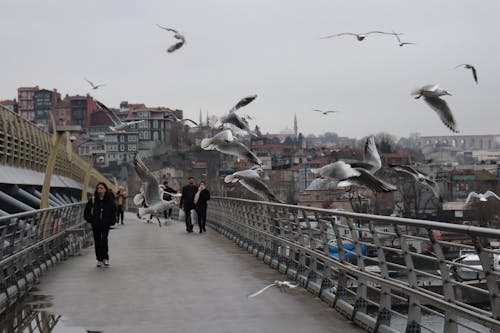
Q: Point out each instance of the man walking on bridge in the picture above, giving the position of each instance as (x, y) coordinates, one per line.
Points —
(187, 202)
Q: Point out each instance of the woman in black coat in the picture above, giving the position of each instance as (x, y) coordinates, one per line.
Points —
(100, 211)
(200, 200)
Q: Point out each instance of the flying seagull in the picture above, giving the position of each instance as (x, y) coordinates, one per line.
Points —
(119, 125)
(224, 136)
(419, 177)
(234, 119)
(472, 68)
(400, 42)
(94, 86)
(250, 179)
(325, 112)
(234, 148)
(347, 175)
(177, 36)
(172, 116)
(361, 36)
(481, 196)
(431, 94)
(283, 285)
(152, 198)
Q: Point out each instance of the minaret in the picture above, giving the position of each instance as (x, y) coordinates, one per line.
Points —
(199, 122)
(295, 127)
(207, 124)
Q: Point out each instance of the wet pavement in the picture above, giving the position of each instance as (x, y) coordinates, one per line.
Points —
(166, 280)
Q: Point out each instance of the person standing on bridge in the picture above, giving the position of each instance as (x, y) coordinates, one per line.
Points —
(100, 211)
(187, 202)
(167, 197)
(121, 202)
(200, 200)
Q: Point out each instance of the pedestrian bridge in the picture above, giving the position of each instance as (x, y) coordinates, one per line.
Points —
(356, 272)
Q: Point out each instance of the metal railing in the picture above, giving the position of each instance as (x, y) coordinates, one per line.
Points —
(386, 274)
(31, 242)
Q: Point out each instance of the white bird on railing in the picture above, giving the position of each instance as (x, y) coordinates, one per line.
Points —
(283, 285)
(481, 196)
(119, 125)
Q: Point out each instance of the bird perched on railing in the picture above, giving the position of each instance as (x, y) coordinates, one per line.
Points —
(283, 285)
(119, 125)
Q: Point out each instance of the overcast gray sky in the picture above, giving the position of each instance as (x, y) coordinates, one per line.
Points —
(271, 48)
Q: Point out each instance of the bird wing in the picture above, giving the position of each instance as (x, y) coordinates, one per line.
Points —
(370, 181)
(90, 82)
(371, 155)
(191, 121)
(443, 110)
(151, 185)
(175, 46)
(432, 185)
(488, 194)
(380, 32)
(261, 291)
(340, 34)
(110, 113)
(243, 102)
(474, 73)
(471, 196)
(168, 29)
(258, 187)
(239, 150)
(405, 169)
(290, 285)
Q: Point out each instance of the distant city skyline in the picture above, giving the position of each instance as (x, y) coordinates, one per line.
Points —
(275, 51)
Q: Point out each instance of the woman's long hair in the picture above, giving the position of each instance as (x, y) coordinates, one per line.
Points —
(96, 194)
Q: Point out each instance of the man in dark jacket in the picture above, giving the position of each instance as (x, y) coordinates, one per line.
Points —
(100, 211)
(187, 202)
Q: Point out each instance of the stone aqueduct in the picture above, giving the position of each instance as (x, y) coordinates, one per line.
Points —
(463, 142)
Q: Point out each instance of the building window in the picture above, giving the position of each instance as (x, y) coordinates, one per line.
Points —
(132, 147)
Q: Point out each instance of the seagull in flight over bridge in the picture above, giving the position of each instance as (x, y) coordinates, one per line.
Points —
(472, 68)
(152, 191)
(481, 196)
(283, 285)
(400, 42)
(360, 36)
(234, 119)
(119, 125)
(178, 36)
(325, 112)
(94, 86)
(250, 179)
(431, 95)
(419, 177)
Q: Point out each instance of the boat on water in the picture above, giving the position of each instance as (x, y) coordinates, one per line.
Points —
(471, 268)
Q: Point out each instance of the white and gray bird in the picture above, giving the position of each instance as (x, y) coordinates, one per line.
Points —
(250, 179)
(472, 68)
(119, 125)
(481, 196)
(283, 285)
(325, 112)
(431, 95)
(94, 86)
(322, 184)
(178, 36)
(419, 177)
(152, 191)
(172, 117)
(224, 136)
(360, 36)
(234, 119)
(235, 148)
(346, 175)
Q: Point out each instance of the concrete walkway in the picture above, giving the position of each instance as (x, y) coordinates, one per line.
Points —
(166, 280)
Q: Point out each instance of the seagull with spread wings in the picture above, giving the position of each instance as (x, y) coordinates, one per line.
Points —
(283, 285)
(152, 191)
(171, 116)
(235, 148)
(481, 196)
(119, 125)
(178, 36)
(250, 179)
(94, 86)
(224, 136)
(419, 177)
(360, 36)
(234, 119)
(400, 42)
(431, 95)
(325, 112)
(472, 68)
(371, 158)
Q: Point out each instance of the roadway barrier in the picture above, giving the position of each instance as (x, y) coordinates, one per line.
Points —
(34, 241)
(385, 274)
